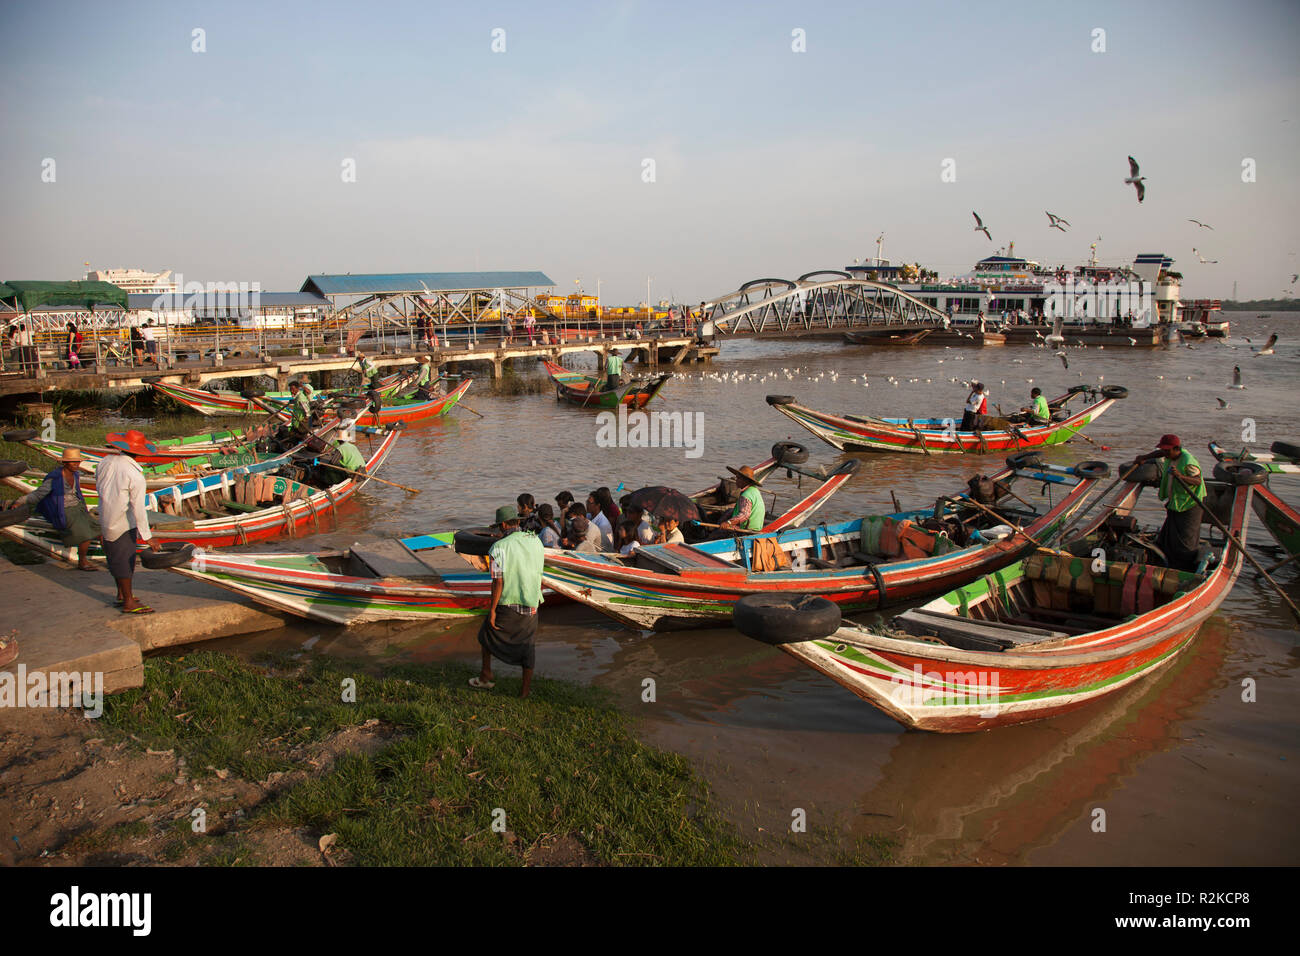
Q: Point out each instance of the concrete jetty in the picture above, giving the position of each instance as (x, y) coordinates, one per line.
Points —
(65, 619)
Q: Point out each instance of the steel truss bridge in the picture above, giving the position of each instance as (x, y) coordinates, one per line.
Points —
(824, 301)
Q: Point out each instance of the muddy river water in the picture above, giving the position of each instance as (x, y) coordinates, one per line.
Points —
(1186, 771)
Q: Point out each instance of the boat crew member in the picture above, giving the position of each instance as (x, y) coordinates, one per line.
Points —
(422, 380)
(370, 382)
(59, 501)
(350, 456)
(613, 370)
(299, 409)
(510, 631)
(1182, 489)
(750, 510)
(124, 522)
(1038, 412)
(977, 403)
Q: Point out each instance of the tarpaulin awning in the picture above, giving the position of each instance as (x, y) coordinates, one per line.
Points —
(28, 294)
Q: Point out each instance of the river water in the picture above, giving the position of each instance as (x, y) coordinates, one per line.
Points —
(1185, 770)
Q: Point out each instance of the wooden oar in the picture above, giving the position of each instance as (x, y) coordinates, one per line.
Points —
(1090, 441)
(468, 409)
(1001, 518)
(1214, 520)
(1283, 563)
(362, 474)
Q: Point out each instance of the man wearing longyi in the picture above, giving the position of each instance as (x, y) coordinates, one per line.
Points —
(1182, 490)
(509, 632)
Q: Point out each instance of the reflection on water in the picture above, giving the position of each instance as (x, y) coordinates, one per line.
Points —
(1186, 771)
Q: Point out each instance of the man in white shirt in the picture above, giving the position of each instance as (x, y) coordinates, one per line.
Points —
(597, 518)
(123, 522)
(644, 533)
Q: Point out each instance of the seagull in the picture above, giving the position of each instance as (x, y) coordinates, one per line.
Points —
(1135, 180)
(1294, 277)
(980, 227)
(1222, 403)
(1055, 221)
(1203, 225)
(1268, 346)
(1061, 356)
(1236, 377)
(1204, 261)
(1132, 341)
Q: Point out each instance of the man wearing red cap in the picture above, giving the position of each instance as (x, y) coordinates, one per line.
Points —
(1182, 490)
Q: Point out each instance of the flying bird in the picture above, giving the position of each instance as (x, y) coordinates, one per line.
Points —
(1138, 182)
(1222, 403)
(1293, 278)
(1204, 261)
(1268, 346)
(1203, 225)
(1055, 221)
(1061, 355)
(980, 227)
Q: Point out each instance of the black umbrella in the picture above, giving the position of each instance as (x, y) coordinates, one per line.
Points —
(665, 503)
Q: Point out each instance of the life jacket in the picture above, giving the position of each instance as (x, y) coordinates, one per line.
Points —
(51, 506)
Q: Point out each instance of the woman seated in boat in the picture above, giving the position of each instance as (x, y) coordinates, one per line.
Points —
(547, 530)
(582, 535)
(625, 538)
(644, 533)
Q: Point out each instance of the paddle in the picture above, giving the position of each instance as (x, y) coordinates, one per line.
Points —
(1283, 563)
(1214, 520)
(468, 409)
(362, 474)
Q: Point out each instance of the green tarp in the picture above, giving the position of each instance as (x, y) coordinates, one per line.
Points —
(27, 295)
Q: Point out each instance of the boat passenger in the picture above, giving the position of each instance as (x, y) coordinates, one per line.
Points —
(670, 533)
(625, 538)
(583, 535)
(1183, 490)
(644, 533)
(562, 501)
(548, 531)
(299, 409)
(1037, 411)
(977, 403)
(605, 498)
(750, 510)
(597, 517)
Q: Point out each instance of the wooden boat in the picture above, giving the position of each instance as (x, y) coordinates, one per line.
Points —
(212, 402)
(940, 435)
(863, 564)
(407, 410)
(222, 446)
(1281, 520)
(886, 338)
(1048, 634)
(254, 503)
(589, 392)
(419, 578)
(1283, 458)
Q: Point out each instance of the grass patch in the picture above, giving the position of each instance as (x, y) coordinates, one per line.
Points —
(564, 766)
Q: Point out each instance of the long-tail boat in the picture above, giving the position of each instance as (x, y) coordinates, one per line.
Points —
(221, 445)
(253, 503)
(222, 402)
(418, 578)
(589, 390)
(939, 435)
(407, 410)
(863, 564)
(880, 339)
(1043, 636)
(1282, 458)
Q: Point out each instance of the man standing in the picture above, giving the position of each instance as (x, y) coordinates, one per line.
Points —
(613, 370)
(976, 408)
(370, 382)
(1182, 490)
(123, 522)
(299, 410)
(750, 510)
(510, 630)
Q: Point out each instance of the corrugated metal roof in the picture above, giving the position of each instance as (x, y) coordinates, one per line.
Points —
(179, 301)
(395, 282)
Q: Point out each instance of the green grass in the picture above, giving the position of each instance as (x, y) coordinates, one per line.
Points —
(564, 763)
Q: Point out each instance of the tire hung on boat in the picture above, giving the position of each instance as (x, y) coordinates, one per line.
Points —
(1025, 459)
(1092, 469)
(172, 555)
(785, 618)
(15, 515)
(790, 453)
(476, 542)
(1114, 391)
(1285, 448)
(10, 467)
(1241, 472)
(19, 434)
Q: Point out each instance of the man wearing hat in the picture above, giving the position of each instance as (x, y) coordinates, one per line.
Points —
(1182, 489)
(350, 456)
(370, 381)
(123, 521)
(510, 630)
(423, 381)
(60, 502)
(299, 409)
(750, 512)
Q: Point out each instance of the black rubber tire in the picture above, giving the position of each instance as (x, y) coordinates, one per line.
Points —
(1060, 415)
(1025, 459)
(1241, 472)
(15, 515)
(1095, 470)
(790, 453)
(172, 555)
(1285, 448)
(9, 467)
(786, 618)
(474, 542)
(1114, 391)
(19, 434)
(780, 399)
(1147, 473)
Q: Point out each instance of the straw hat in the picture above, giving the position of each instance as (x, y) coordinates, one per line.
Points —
(746, 473)
(72, 455)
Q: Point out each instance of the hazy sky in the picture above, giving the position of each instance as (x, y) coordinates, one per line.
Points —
(227, 165)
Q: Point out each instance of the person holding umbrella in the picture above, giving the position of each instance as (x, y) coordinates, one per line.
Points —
(750, 511)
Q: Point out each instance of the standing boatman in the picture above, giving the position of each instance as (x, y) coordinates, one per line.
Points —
(299, 409)
(509, 633)
(1182, 489)
(613, 370)
(370, 382)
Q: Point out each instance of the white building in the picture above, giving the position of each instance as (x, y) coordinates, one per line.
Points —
(135, 280)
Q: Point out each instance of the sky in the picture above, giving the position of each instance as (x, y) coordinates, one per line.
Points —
(228, 164)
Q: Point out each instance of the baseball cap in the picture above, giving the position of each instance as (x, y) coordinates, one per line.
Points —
(1169, 441)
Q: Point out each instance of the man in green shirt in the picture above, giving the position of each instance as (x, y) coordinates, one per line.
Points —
(750, 511)
(613, 371)
(509, 632)
(350, 456)
(370, 382)
(299, 409)
(1182, 489)
(1038, 411)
